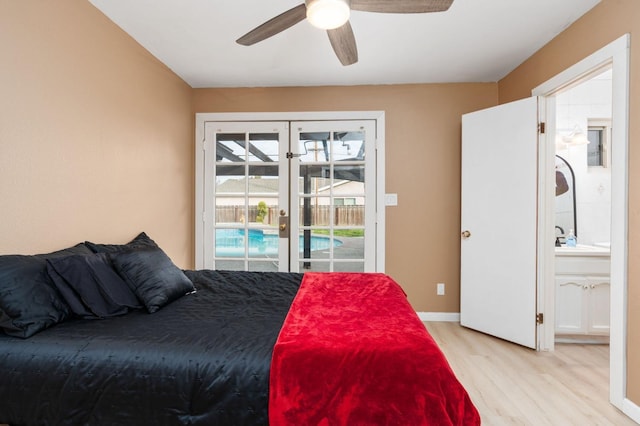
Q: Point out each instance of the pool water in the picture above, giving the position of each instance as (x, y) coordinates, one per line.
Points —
(230, 243)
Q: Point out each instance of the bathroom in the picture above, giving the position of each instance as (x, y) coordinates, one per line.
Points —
(583, 210)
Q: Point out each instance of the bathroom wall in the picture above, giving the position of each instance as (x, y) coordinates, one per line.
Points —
(578, 106)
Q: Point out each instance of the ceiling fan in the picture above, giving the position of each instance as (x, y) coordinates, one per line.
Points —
(333, 16)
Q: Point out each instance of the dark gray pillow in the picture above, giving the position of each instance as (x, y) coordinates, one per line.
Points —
(152, 276)
(90, 286)
(29, 301)
(140, 241)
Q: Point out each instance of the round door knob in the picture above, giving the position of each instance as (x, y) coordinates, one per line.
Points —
(466, 234)
(283, 226)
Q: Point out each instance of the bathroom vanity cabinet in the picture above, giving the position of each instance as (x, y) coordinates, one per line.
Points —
(582, 291)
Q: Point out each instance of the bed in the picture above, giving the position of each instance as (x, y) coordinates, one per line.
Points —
(221, 348)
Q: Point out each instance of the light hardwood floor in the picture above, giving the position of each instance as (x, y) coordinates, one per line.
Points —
(512, 385)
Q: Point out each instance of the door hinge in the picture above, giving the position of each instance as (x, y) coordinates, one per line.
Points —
(542, 127)
(540, 318)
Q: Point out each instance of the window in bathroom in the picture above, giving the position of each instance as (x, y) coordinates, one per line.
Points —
(598, 135)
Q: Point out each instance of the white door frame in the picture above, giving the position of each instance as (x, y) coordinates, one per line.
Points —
(378, 116)
(615, 54)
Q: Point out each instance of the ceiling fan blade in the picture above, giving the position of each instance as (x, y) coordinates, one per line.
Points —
(274, 26)
(401, 6)
(344, 44)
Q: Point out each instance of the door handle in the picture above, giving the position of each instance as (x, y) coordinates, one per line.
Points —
(466, 234)
(283, 227)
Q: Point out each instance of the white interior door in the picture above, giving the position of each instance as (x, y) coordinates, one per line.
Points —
(499, 221)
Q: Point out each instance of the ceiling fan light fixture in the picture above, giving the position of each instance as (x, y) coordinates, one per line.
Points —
(328, 14)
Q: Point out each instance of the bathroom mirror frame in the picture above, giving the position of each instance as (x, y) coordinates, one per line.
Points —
(565, 200)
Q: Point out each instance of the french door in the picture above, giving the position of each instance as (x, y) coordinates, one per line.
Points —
(289, 196)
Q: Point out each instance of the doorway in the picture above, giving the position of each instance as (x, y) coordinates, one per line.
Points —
(284, 192)
(583, 209)
(616, 56)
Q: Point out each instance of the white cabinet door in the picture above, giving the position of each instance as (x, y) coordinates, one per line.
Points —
(571, 291)
(599, 305)
(582, 305)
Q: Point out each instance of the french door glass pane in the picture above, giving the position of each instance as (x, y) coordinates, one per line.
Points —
(349, 179)
(315, 211)
(348, 146)
(351, 243)
(230, 211)
(263, 266)
(263, 147)
(263, 179)
(230, 265)
(327, 146)
(231, 147)
(348, 266)
(230, 179)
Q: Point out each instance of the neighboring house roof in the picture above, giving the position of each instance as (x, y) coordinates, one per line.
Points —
(268, 185)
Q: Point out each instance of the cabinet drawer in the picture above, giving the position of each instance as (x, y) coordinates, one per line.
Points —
(588, 265)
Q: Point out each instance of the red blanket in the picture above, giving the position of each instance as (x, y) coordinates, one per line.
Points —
(352, 351)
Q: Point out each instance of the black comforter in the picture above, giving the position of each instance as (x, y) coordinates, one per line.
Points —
(204, 359)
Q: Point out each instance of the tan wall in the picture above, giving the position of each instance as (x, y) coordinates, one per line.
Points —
(423, 127)
(603, 24)
(95, 134)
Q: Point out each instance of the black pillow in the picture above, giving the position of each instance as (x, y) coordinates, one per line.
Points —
(152, 276)
(90, 286)
(141, 241)
(29, 302)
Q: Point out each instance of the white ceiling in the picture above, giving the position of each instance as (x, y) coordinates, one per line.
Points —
(474, 41)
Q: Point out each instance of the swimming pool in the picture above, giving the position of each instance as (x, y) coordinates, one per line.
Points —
(231, 242)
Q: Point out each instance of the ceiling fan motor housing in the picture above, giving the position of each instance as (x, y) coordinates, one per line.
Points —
(328, 14)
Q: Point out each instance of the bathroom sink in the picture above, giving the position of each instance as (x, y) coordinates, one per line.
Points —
(582, 250)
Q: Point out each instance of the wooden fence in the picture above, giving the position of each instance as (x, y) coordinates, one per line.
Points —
(320, 215)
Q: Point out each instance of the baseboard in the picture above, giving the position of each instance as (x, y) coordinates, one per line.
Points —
(439, 316)
(632, 410)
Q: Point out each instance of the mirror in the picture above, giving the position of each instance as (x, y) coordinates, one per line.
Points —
(565, 200)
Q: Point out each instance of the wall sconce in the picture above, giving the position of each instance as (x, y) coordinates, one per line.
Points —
(574, 138)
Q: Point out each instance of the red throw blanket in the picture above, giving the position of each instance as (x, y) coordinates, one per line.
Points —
(352, 351)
